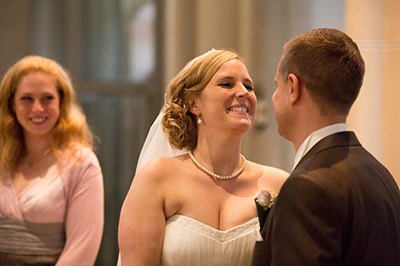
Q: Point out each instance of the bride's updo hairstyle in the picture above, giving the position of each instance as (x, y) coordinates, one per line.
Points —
(178, 122)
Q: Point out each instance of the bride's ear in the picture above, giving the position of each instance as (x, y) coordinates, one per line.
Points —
(193, 107)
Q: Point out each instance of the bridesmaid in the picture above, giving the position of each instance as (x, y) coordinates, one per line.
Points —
(51, 186)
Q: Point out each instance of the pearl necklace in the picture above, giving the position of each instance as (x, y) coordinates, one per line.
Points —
(214, 175)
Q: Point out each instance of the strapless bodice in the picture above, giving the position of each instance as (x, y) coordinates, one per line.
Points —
(190, 242)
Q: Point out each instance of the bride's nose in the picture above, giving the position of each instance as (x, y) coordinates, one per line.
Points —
(242, 91)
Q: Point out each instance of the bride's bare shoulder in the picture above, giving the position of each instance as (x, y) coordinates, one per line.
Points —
(269, 176)
(266, 170)
(160, 167)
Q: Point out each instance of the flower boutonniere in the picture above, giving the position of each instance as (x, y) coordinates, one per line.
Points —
(266, 199)
(264, 202)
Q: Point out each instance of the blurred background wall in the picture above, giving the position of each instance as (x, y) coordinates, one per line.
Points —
(122, 53)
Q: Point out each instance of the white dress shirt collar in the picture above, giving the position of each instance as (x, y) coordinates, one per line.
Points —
(316, 136)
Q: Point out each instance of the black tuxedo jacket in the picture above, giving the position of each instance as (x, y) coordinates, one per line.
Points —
(339, 206)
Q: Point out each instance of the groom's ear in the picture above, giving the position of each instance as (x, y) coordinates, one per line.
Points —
(295, 88)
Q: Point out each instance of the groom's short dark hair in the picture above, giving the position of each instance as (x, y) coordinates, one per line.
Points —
(329, 64)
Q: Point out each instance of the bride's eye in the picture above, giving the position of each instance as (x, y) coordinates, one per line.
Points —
(226, 85)
(249, 88)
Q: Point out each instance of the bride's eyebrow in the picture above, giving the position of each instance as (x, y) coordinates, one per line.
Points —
(248, 81)
(224, 77)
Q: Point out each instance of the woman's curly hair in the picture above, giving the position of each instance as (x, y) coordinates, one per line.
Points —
(178, 122)
(71, 129)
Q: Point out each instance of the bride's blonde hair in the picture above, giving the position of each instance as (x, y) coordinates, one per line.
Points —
(178, 122)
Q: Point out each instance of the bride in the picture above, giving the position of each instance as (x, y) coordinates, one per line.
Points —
(197, 208)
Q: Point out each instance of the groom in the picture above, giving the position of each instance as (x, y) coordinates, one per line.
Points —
(340, 205)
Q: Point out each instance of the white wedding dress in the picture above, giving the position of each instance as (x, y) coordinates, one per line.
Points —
(190, 242)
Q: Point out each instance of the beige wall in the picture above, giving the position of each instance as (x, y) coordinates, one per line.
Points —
(391, 93)
(375, 116)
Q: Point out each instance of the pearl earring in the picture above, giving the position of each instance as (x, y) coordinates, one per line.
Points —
(198, 120)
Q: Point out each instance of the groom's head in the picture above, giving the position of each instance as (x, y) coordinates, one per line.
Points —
(330, 66)
(327, 65)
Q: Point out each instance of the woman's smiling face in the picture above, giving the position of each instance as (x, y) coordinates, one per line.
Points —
(228, 100)
(37, 104)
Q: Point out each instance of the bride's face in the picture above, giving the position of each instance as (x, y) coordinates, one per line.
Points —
(228, 101)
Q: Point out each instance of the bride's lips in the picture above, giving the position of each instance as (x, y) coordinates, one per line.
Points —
(239, 109)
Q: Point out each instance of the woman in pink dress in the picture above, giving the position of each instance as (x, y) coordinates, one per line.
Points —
(51, 185)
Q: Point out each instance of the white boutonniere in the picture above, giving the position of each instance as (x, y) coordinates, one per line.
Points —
(264, 202)
(266, 199)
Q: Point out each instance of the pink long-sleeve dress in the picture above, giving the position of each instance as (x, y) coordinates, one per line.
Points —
(58, 218)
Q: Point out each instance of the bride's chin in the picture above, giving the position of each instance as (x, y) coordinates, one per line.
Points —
(244, 127)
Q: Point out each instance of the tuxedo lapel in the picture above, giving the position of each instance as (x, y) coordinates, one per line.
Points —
(341, 139)
(347, 139)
